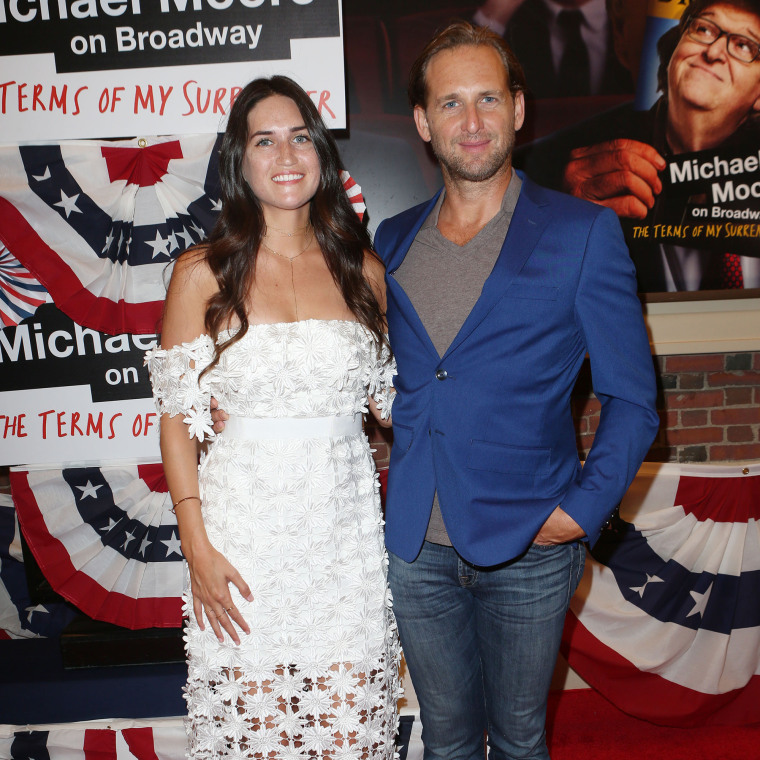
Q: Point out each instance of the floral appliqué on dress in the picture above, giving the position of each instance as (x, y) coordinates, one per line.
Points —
(300, 520)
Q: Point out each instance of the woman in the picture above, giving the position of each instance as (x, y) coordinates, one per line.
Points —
(292, 648)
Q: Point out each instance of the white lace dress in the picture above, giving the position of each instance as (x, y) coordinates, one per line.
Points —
(300, 519)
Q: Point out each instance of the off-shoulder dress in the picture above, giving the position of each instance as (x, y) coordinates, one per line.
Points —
(290, 497)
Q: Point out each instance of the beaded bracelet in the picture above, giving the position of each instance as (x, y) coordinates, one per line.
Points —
(197, 498)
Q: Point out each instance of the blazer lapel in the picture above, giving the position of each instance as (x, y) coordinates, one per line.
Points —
(528, 223)
(395, 292)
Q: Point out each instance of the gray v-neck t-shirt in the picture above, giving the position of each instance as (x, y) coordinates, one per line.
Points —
(444, 280)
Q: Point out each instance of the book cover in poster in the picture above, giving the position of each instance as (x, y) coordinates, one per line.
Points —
(680, 162)
(701, 92)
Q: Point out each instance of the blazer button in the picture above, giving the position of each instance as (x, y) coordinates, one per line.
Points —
(441, 374)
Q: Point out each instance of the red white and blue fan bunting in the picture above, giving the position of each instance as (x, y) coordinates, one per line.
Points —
(20, 618)
(354, 193)
(666, 623)
(106, 540)
(116, 740)
(20, 291)
(156, 739)
(97, 222)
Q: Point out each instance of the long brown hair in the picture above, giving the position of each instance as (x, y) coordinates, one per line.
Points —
(235, 239)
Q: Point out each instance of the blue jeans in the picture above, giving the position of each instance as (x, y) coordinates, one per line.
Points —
(481, 645)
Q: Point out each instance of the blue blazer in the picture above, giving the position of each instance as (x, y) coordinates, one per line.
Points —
(489, 424)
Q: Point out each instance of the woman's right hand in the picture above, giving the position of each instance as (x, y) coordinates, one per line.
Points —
(210, 576)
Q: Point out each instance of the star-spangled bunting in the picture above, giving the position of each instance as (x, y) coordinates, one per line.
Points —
(84, 217)
(97, 222)
(20, 618)
(666, 623)
(106, 540)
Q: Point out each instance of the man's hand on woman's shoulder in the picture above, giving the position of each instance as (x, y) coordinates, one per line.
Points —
(219, 416)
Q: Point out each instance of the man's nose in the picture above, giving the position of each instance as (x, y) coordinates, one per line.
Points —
(717, 49)
(473, 121)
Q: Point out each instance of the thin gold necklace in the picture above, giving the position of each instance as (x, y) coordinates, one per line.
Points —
(285, 232)
(282, 255)
(290, 259)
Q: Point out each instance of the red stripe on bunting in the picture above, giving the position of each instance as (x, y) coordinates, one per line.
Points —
(99, 744)
(649, 696)
(80, 589)
(68, 293)
(154, 477)
(140, 742)
(734, 499)
(141, 166)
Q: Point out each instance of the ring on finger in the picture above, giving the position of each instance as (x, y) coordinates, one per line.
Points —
(227, 609)
(211, 613)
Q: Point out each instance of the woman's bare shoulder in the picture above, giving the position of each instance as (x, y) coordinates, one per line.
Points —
(192, 271)
(191, 286)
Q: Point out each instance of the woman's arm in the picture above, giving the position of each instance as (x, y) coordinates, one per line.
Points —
(210, 573)
(377, 413)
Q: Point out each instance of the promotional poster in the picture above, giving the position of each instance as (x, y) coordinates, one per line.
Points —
(678, 163)
(118, 68)
(705, 220)
(72, 394)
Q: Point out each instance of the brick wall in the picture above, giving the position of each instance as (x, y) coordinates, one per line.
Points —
(709, 405)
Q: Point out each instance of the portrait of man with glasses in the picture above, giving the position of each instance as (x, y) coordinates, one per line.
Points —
(709, 109)
(712, 80)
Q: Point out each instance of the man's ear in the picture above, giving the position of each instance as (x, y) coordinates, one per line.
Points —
(420, 119)
(519, 109)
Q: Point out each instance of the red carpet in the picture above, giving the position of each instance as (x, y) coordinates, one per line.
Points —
(582, 725)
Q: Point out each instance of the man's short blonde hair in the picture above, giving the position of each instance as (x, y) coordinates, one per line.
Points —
(462, 34)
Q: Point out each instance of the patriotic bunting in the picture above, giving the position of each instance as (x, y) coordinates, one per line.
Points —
(666, 623)
(97, 222)
(19, 617)
(157, 739)
(118, 740)
(106, 540)
(354, 193)
(20, 291)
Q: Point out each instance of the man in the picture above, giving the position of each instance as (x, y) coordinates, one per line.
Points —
(710, 78)
(497, 289)
(565, 46)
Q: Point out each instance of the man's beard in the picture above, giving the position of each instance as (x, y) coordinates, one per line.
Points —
(460, 167)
